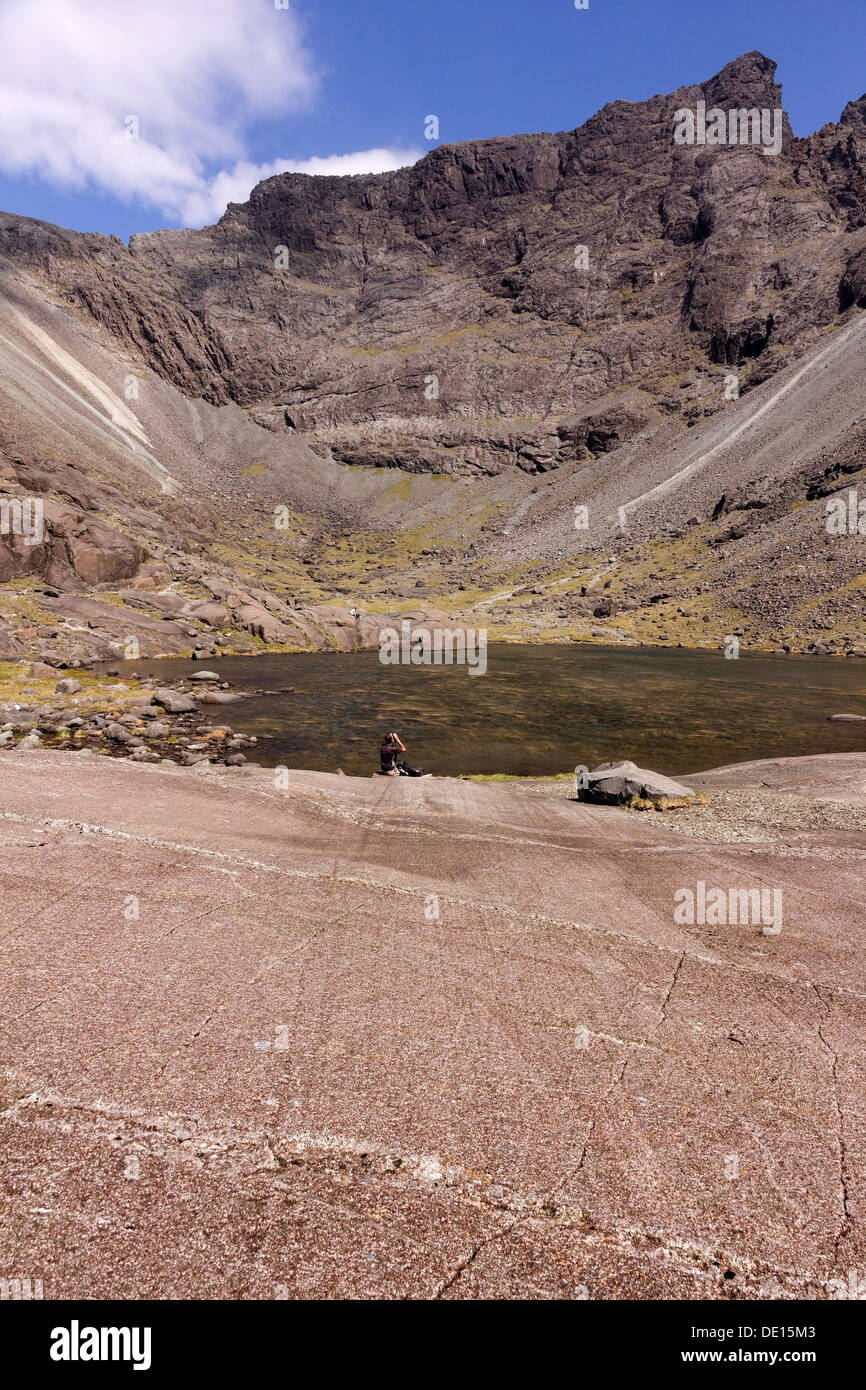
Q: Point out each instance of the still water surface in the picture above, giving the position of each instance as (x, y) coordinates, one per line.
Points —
(539, 710)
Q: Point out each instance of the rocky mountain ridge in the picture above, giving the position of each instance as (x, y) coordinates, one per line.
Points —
(431, 370)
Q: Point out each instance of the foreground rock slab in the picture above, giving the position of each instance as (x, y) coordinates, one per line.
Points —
(425, 1039)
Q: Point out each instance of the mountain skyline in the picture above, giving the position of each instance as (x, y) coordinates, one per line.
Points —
(513, 355)
(323, 88)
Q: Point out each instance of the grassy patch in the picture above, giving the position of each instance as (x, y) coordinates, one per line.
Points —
(402, 490)
(40, 690)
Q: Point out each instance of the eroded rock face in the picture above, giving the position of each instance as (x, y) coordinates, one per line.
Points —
(852, 289)
(511, 281)
(70, 548)
(512, 307)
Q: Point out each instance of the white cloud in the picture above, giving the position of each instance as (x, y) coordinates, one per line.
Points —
(235, 185)
(196, 74)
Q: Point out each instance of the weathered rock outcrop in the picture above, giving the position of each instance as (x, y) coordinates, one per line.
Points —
(514, 326)
(512, 279)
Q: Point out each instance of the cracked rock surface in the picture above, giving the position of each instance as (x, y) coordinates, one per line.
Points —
(366, 1039)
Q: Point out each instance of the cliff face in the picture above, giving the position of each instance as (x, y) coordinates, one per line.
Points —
(663, 336)
(443, 317)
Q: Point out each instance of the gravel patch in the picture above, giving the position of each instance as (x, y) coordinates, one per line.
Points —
(734, 815)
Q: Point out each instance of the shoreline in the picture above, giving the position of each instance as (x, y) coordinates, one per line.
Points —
(182, 712)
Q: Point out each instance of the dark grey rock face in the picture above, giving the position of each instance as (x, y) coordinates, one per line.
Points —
(548, 319)
(451, 304)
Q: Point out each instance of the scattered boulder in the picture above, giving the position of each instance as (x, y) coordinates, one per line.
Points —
(218, 697)
(612, 783)
(144, 755)
(174, 701)
(68, 687)
(204, 676)
(31, 740)
(257, 620)
(118, 734)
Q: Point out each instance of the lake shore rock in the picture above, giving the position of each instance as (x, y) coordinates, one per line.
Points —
(613, 783)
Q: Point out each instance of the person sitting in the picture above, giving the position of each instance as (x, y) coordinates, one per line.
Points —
(392, 765)
(391, 746)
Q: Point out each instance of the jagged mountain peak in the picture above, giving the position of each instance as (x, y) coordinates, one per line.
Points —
(569, 307)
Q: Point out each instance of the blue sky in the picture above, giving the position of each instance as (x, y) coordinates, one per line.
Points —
(227, 91)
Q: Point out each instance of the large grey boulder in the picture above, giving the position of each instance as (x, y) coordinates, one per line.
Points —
(29, 741)
(611, 783)
(174, 701)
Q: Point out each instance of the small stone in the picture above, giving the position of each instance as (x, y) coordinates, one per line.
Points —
(118, 734)
(144, 755)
